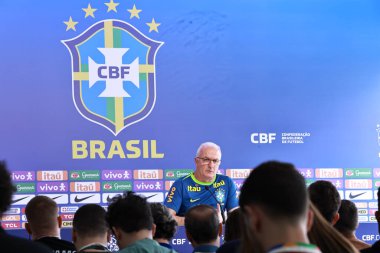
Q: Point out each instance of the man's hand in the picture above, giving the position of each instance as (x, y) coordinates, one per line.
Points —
(219, 213)
(180, 220)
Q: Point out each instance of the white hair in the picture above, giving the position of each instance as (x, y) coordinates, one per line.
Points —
(208, 145)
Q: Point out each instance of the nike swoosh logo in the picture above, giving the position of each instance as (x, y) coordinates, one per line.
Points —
(110, 199)
(17, 200)
(193, 200)
(81, 199)
(352, 196)
(151, 196)
(57, 197)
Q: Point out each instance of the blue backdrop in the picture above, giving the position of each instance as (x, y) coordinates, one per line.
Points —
(290, 80)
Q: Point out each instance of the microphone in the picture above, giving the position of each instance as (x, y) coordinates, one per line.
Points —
(217, 201)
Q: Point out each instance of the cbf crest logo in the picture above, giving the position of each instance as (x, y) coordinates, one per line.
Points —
(113, 70)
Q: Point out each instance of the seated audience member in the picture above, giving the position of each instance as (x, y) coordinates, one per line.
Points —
(130, 219)
(232, 229)
(90, 229)
(232, 233)
(375, 248)
(166, 225)
(203, 228)
(326, 237)
(12, 244)
(275, 208)
(326, 199)
(348, 223)
(44, 224)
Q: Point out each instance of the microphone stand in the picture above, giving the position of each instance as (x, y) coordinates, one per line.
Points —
(217, 201)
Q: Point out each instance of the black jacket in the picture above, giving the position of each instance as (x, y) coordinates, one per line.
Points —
(374, 249)
(13, 244)
(57, 245)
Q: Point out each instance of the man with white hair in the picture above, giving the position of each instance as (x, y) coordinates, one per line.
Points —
(203, 186)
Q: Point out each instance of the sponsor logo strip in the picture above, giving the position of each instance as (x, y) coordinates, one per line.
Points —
(25, 187)
(239, 183)
(68, 217)
(67, 224)
(306, 172)
(238, 173)
(153, 196)
(89, 175)
(361, 205)
(58, 198)
(140, 186)
(107, 197)
(376, 172)
(85, 198)
(358, 173)
(329, 173)
(52, 175)
(358, 183)
(11, 225)
(11, 218)
(13, 210)
(338, 183)
(21, 199)
(168, 184)
(52, 187)
(85, 186)
(359, 195)
(22, 176)
(148, 174)
(116, 186)
(175, 174)
(116, 175)
(69, 209)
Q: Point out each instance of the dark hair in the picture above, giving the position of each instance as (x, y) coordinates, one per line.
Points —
(90, 220)
(202, 223)
(278, 188)
(328, 239)
(166, 225)
(6, 188)
(325, 197)
(348, 217)
(129, 212)
(232, 229)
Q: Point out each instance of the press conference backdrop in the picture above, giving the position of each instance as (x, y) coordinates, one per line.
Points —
(99, 97)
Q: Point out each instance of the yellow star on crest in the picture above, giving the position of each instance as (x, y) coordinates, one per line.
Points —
(134, 12)
(111, 6)
(89, 11)
(153, 25)
(70, 24)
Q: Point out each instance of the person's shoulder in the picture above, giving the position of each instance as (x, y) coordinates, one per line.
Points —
(230, 247)
(145, 246)
(375, 248)
(57, 244)
(184, 179)
(20, 245)
(359, 244)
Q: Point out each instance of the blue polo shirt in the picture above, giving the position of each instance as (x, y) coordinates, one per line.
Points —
(187, 192)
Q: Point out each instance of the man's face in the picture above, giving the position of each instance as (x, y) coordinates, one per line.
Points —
(207, 163)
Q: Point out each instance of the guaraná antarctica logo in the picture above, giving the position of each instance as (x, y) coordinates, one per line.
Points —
(113, 69)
